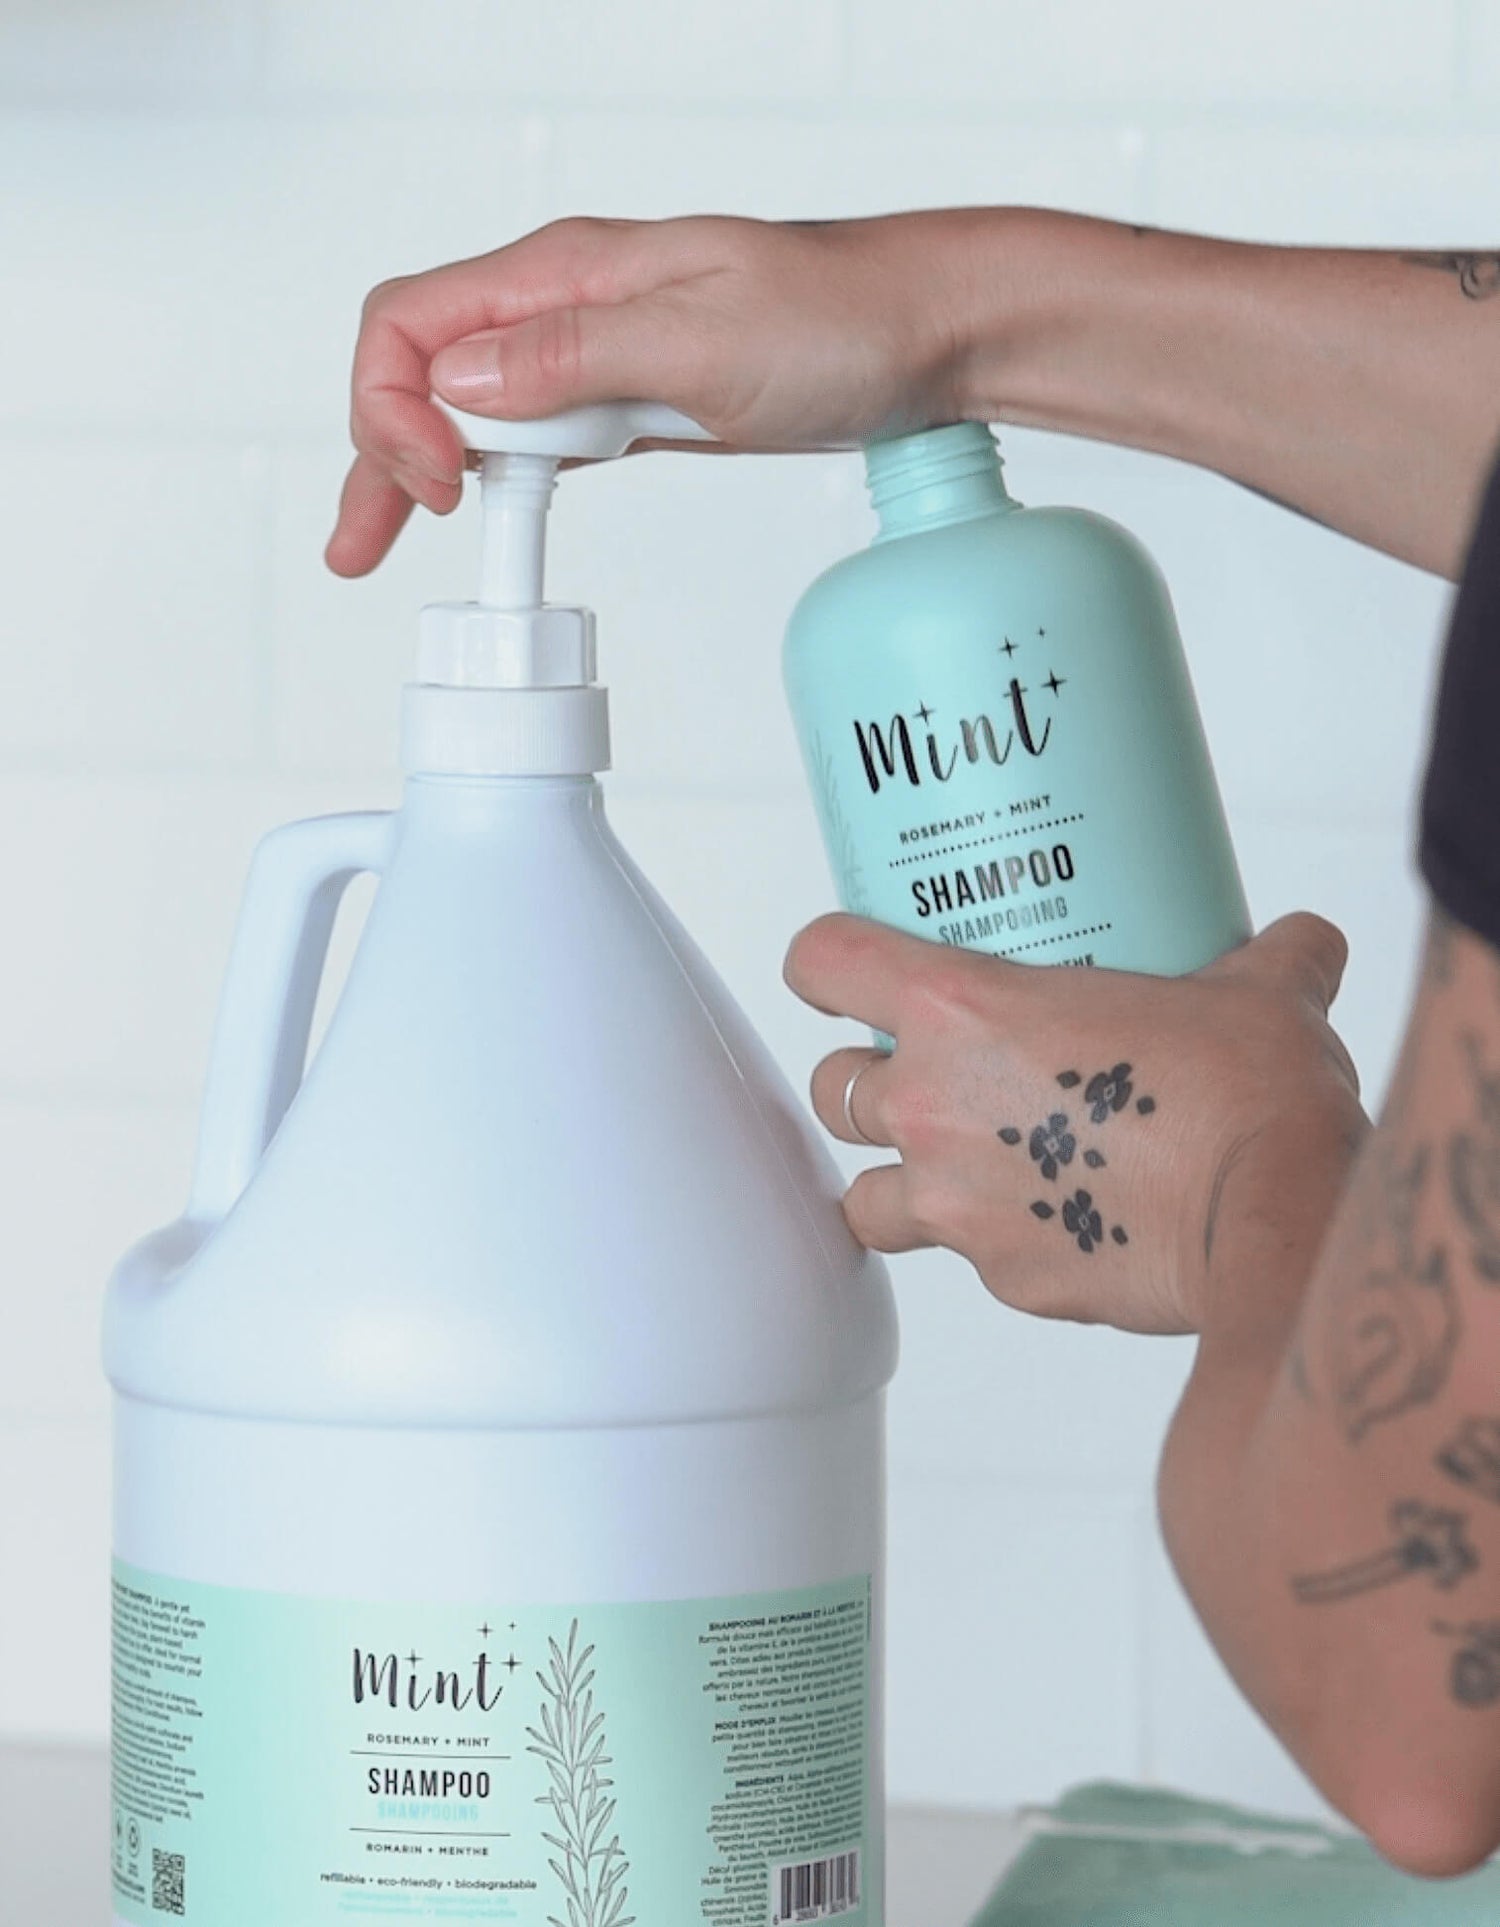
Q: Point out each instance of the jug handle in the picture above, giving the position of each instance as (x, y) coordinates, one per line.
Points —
(297, 879)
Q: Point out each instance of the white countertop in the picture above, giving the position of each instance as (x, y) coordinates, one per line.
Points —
(942, 1864)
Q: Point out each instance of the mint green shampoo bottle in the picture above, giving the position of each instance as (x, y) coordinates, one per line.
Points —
(998, 722)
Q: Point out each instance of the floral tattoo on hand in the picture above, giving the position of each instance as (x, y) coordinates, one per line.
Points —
(1085, 1223)
(1108, 1091)
(1054, 1143)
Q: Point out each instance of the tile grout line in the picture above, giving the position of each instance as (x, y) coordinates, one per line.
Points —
(1377, 118)
(1461, 22)
(844, 90)
(259, 34)
(261, 473)
(1146, 1742)
(1148, 177)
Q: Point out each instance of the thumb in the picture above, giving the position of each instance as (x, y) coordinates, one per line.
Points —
(1305, 952)
(632, 350)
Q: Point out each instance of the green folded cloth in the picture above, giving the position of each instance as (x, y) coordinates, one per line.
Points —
(1115, 1856)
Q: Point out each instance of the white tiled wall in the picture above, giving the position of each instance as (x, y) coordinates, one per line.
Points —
(1118, 56)
(193, 200)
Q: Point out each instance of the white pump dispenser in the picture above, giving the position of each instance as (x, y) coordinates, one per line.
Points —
(499, 1432)
(505, 685)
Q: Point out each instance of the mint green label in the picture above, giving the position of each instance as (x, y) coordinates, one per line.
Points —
(284, 1762)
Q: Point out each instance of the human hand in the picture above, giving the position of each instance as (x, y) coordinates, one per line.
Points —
(771, 335)
(1090, 1140)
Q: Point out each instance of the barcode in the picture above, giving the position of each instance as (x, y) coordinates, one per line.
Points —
(815, 1889)
(168, 1882)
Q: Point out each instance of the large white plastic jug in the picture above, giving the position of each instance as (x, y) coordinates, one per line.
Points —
(499, 1433)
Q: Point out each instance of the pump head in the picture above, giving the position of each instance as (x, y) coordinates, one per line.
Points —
(518, 463)
(505, 684)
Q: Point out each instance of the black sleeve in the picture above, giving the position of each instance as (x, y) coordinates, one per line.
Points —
(1460, 848)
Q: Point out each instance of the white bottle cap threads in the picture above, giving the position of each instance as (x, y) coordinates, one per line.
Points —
(505, 685)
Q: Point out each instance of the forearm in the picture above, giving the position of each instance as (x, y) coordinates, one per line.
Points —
(1302, 1571)
(1330, 1507)
(1361, 388)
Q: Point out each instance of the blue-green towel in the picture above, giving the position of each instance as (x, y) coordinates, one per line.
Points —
(1100, 1859)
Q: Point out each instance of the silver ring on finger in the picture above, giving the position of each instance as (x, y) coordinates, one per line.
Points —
(849, 1118)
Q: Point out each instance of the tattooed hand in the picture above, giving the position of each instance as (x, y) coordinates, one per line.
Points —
(1083, 1136)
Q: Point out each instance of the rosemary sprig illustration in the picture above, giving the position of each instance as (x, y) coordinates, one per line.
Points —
(588, 1859)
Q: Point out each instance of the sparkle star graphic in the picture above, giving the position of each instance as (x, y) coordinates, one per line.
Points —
(924, 712)
(484, 1632)
(413, 1659)
(1007, 648)
(512, 1662)
(1054, 682)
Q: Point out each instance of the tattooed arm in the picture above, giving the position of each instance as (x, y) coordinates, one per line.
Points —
(1190, 1155)
(1361, 388)
(1331, 1487)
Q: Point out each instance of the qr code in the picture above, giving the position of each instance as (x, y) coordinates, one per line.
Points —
(168, 1882)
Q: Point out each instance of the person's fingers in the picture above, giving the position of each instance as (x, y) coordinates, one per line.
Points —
(569, 357)
(406, 432)
(572, 263)
(372, 512)
(1303, 951)
(850, 967)
(855, 1114)
(876, 1211)
(406, 321)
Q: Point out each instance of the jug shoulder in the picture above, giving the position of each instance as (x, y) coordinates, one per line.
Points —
(541, 1173)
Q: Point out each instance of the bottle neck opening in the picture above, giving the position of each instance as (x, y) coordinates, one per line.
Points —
(942, 475)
